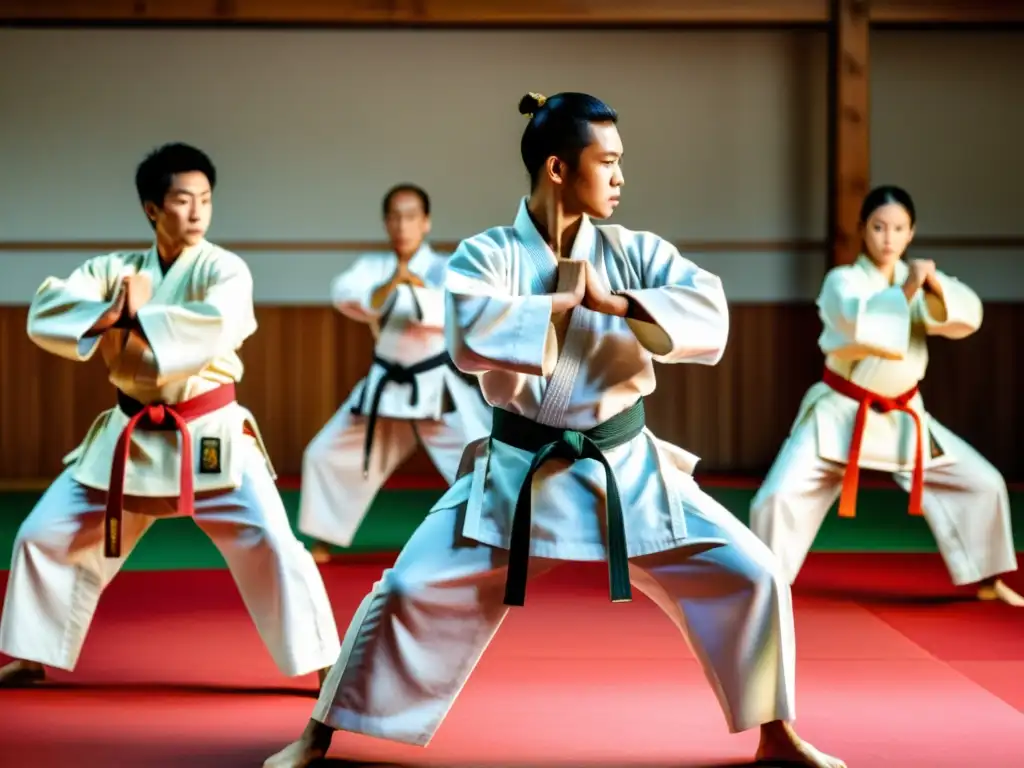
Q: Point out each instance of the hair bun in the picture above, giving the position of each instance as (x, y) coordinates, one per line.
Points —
(531, 103)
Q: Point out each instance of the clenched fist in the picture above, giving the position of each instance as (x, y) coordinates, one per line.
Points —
(922, 271)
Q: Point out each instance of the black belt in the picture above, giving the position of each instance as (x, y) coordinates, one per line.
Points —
(396, 374)
(547, 442)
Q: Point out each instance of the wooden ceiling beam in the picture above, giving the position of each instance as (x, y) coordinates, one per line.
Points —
(439, 13)
(499, 13)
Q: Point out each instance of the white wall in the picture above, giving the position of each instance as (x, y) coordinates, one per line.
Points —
(724, 132)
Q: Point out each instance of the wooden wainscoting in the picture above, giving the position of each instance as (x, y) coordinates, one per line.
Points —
(304, 360)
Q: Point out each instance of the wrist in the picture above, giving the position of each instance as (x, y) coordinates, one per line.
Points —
(560, 303)
(618, 305)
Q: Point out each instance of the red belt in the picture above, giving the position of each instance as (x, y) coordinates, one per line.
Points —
(157, 416)
(872, 400)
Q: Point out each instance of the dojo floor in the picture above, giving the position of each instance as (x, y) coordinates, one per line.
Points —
(896, 668)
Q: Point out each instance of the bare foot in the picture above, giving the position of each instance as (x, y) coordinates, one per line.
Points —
(321, 552)
(311, 746)
(996, 589)
(21, 674)
(782, 747)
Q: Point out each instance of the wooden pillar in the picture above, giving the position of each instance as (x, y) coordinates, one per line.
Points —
(849, 125)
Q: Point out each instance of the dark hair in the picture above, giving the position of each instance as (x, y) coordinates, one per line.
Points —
(155, 174)
(885, 195)
(559, 127)
(412, 188)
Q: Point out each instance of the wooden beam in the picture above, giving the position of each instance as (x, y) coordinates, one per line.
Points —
(497, 13)
(440, 13)
(356, 246)
(947, 12)
(849, 125)
(93, 247)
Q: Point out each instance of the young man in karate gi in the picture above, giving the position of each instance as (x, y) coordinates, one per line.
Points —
(168, 322)
(562, 319)
(413, 393)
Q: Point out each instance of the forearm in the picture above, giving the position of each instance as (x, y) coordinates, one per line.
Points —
(859, 325)
(71, 329)
(502, 334)
(950, 308)
(185, 339)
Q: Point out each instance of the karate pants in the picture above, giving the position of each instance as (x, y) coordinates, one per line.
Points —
(965, 503)
(419, 634)
(59, 571)
(336, 496)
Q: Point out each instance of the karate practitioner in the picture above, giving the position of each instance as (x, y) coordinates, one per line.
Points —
(168, 323)
(877, 315)
(563, 319)
(413, 393)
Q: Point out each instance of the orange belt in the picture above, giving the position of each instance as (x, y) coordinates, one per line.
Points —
(157, 416)
(872, 400)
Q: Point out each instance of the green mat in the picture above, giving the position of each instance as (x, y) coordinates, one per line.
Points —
(882, 525)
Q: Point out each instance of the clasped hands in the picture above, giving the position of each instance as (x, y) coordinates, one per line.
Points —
(580, 284)
(132, 294)
(922, 275)
(401, 275)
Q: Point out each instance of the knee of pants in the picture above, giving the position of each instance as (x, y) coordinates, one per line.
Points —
(764, 508)
(404, 583)
(268, 536)
(760, 571)
(991, 482)
(36, 531)
(315, 455)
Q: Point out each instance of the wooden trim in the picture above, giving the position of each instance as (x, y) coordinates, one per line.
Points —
(495, 13)
(849, 125)
(979, 242)
(421, 13)
(950, 242)
(344, 246)
(947, 12)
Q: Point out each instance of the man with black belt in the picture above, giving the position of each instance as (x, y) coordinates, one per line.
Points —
(168, 323)
(412, 393)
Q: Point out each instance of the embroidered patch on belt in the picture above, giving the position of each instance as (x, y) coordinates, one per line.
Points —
(209, 455)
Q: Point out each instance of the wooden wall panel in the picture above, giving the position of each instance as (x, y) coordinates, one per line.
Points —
(303, 361)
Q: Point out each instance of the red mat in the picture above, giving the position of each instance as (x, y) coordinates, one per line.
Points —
(905, 674)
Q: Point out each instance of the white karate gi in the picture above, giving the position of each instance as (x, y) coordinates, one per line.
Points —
(409, 330)
(418, 635)
(877, 339)
(198, 317)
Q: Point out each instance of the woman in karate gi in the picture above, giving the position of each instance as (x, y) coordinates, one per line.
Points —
(867, 412)
(562, 319)
(168, 322)
(413, 394)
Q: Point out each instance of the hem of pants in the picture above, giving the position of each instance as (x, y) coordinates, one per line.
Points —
(63, 666)
(979, 575)
(324, 659)
(316, 533)
(352, 722)
(786, 715)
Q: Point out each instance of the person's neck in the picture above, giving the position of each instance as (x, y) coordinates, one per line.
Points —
(888, 270)
(557, 226)
(169, 250)
(404, 257)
